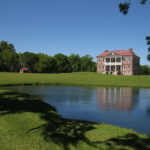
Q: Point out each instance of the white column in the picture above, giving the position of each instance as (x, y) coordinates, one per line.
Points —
(115, 63)
(121, 65)
(104, 60)
(104, 68)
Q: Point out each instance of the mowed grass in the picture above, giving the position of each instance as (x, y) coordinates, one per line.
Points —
(27, 123)
(80, 78)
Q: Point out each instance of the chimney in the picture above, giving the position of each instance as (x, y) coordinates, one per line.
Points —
(130, 49)
(106, 50)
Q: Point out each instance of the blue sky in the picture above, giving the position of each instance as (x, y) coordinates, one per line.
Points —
(74, 26)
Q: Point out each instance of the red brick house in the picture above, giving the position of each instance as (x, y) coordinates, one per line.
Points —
(124, 62)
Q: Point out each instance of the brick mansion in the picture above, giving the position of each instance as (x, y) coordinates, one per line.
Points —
(123, 62)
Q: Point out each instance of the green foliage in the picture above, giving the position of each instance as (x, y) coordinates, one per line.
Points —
(28, 59)
(10, 61)
(52, 65)
(45, 64)
(41, 63)
(9, 57)
(75, 62)
(148, 56)
(124, 6)
(87, 65)
(148, 43)
(5, 46)
(144, 70)
(62, 63)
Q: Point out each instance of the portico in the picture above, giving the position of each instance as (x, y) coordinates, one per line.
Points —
(110, 69)
(113, 64)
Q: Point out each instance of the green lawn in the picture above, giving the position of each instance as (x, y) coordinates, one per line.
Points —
(27, 123)
(81, 78)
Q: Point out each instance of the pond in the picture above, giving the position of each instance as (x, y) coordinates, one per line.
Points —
(121, 106)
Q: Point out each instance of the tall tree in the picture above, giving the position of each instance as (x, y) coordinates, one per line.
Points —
(62, 63)
(75, 62)
(6, 46)
(28, 59)
(144, 70)
(52, 64)
(9, 61)
(87, 64)
(45, 64)
(9, 57)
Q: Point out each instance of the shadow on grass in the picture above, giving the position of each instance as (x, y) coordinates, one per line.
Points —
(65, 132)
(130, 140)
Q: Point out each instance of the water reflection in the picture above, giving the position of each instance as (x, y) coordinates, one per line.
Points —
(66, 95)
(119, 99)
(148, 110)
(98, 104)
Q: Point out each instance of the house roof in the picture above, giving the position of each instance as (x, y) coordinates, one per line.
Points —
(24, 69)
(118, 52)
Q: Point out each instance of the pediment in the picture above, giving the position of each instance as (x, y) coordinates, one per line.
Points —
(112, 54)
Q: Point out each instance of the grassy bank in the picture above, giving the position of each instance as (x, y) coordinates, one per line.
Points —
(81, 78)
(27, 123)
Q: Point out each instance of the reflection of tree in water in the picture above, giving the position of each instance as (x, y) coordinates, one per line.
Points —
(148, 110)
(118, 98)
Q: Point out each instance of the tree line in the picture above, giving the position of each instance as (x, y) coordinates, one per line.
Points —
(11, 61)
(144, 70)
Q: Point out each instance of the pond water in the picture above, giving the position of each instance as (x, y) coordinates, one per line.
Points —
(121, 106)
